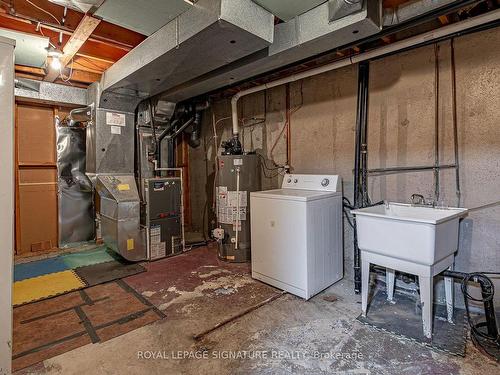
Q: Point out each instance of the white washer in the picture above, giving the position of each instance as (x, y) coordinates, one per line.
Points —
(297, 234)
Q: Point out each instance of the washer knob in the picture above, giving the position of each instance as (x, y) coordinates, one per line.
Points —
(295, 181)
(289, 180)
(325, 182)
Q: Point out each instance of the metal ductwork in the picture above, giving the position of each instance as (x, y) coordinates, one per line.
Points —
(209, 35)
(409, 10)
(110, 166)
(303, 36)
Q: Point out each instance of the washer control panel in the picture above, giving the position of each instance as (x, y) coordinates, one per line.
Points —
(312, 182)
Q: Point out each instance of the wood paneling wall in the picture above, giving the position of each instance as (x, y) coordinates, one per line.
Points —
(36, 178)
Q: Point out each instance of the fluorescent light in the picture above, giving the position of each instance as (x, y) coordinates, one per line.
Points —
(190, 2)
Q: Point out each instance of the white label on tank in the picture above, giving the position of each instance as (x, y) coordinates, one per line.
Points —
(113, 118)
(222, 196)
(232, 200)
(116, 129)
(243, 214)
(237, 161)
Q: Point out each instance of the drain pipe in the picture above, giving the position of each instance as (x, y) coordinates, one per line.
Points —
(408, 43)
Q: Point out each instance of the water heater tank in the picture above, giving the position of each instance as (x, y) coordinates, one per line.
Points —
(238, 175)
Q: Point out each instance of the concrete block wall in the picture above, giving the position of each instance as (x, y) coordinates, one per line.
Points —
(401, 133)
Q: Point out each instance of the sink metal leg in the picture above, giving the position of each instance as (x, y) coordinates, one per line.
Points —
(426, 297)
(449, 291)
(390, 275)
(365, 282)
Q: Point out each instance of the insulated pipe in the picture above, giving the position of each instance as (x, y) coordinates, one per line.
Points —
(379, 52)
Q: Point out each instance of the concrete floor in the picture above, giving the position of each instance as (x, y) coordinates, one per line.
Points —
(288, 333)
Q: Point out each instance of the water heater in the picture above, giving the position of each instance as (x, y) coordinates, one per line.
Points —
(237, 176)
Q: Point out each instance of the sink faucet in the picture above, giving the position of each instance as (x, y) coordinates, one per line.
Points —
(417, 199)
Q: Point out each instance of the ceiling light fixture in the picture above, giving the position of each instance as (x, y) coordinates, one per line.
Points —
(55, 63)
(190, 2)
(55, 55)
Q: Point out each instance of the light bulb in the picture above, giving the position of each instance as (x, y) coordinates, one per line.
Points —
(55, 63)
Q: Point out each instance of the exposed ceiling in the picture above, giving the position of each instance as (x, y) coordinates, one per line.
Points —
(95, 44)
(94, 34)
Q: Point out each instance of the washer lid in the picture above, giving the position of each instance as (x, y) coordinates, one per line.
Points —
(294, 194)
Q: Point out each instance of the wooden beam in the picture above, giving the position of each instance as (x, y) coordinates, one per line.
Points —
(30, 70)
(80, 76)
(105, 31)
(83, 31)
(99, 49)
(83, 76)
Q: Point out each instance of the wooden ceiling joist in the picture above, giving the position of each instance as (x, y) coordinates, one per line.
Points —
(84, 30)
(107, 31)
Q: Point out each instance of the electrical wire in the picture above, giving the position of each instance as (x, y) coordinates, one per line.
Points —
(346, 205)
(477, 336)
(41, 32)
(67, 80)
(287, 123)
(44, 11)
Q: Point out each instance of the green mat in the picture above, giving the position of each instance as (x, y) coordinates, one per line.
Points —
(87, 258)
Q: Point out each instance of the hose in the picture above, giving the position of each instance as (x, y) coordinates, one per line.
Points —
(488, 292)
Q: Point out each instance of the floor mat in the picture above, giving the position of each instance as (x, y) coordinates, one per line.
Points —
(404, 318)
(54, 326)
(62, 262)
(45, 286)
(87, 258)
(104, 272)
(38, 268)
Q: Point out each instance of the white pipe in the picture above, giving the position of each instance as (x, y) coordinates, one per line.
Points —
(237, 206)
(390, 48)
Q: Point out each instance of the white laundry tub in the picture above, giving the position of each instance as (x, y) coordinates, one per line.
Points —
(423, 235)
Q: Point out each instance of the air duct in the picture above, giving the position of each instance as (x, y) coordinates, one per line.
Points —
(209, 35)
(306, 35)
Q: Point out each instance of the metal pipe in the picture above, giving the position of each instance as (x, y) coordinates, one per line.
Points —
(395, 15)
(454, 119)
(288, 130)
(436, 123)
(364, 135)
(391, 170)
(237, 207)
(360, 161)
(411, 42)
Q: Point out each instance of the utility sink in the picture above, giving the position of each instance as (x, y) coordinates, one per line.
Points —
(418, 234)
